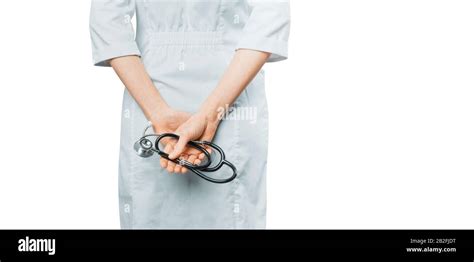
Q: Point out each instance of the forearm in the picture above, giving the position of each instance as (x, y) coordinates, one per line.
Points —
(132, 73)
(203, 125)
(241, 71)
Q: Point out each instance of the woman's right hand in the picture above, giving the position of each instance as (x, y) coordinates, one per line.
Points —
(168, 120)
(132, 72)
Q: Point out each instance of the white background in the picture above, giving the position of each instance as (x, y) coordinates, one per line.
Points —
(371, 118)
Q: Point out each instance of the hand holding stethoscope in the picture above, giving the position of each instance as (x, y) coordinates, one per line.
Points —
(149, 144)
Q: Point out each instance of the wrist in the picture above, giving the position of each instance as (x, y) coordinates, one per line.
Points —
(159, 113)
(212, 114)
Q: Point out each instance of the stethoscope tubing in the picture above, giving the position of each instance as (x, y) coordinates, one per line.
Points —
(196, 169)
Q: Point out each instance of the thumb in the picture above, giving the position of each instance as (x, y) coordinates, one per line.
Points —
(179, 147)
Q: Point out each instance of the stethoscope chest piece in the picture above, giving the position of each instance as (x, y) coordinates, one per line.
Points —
(144, 148)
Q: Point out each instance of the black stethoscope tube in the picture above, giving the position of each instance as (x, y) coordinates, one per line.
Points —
(145, 145)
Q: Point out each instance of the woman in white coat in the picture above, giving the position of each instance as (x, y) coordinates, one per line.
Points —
(187, 61)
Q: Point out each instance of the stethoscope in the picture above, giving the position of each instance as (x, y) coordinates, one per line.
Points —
(145, 148)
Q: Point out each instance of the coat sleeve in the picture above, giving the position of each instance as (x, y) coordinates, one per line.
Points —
(268, 28)
(111, 29)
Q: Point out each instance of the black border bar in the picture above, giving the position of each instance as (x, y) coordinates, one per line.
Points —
(423, 245)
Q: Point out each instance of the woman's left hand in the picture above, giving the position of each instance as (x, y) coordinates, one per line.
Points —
(203, 125)
(198, 127)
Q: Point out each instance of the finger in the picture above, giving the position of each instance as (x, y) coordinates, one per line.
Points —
(178, 168)
(167, 147)
(191, 151)
(163, 163)
(167, 141)
(202, 156)
(170, 165)
(209, 149)
(179, 147)
(191, 159)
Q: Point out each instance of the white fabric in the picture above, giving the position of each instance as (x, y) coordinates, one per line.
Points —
(185, 46)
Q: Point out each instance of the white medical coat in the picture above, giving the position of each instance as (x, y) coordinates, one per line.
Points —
(186, 46)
